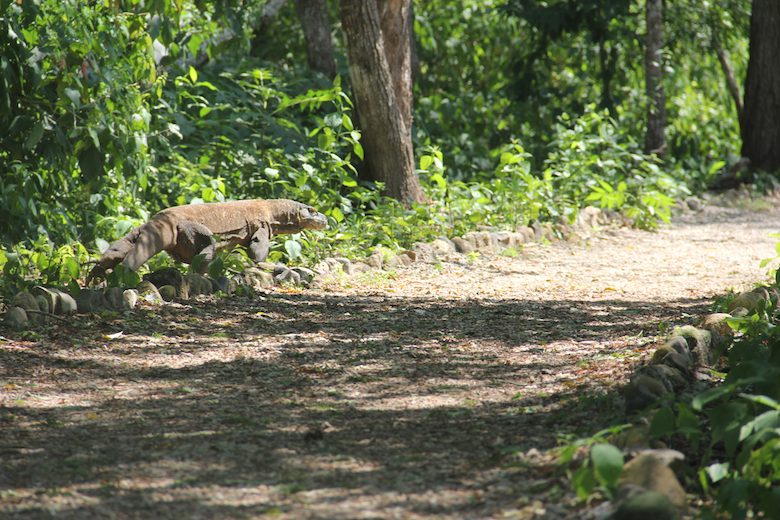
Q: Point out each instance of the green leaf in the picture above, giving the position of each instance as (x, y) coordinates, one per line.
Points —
(583, 482)
(663, 422)
(293, 249)
(193, 74)
(425, 162)
(358, 149)
(717, 472)
(216, 267)
(197, 262)
(607, 463)
(34, 137)
(71, 267)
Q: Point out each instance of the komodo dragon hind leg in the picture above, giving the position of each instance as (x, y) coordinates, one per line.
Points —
(193, 239)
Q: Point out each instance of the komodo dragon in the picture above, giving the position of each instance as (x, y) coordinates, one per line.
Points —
(186, 231)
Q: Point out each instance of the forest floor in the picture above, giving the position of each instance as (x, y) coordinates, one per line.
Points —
(436, 392)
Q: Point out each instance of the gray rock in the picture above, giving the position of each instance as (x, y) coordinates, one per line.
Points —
(168, 292)
(653, 474)
(321, 268)
(463, 246)
(646, 506)
(131, 298)
(27, 301)
(375, 260)
(717, 321)
(394, 262)
(17, 318)
(678, 362)
(115, 298)
(255, 278)
(424, 252)
(357, 268)
(642, 391)
(170, 276)
(694, 203)
(527, 232)
(92, 301)
(43, 303)
(680, 345)
(671, 375)
(148, 292)
(198, 284)
(537, 227)
(442, 247)
(406, 258)
(701, 342)
(59, 302)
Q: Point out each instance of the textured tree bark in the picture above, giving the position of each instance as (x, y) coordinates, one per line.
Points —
(655, 141)
(315, 22)
(378, 51)
(760, 122)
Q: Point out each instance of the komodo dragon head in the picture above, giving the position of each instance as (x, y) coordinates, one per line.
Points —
(297, 218)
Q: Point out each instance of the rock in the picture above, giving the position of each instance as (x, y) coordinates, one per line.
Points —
(424, 252)
(170, 276)
(131, 298)
(589, 218)
(198, 284)
(407, 258)
(449, 242)
(27, 301)
(643, 391)
(660, 353)
(527, 232)
(680, 345)
(694, 203)
(17, 318)
(255, 278)
(672, 376)
(43, 303)
(463, 246)
(168, 292)
(717, 321)
(220, 284)
(148, 292)
(357, 268)
(678, 362)
(646, 506)
(375, 260)
(748, 300)
(653, 473)
(396, 261)
(442, 247)
(115, 298)
(701, 342)
(59, 302)
(321, 268)
(92, 301)
(537, 227)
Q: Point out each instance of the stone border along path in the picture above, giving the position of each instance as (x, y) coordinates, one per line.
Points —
(602, 270)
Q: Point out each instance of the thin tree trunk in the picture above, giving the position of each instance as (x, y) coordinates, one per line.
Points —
(731, 81)
(378, 52)
(760, 122)
(655, 141)
(315, 23)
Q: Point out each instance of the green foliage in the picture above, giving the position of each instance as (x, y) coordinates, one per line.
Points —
(744, 418)
(22, 268)
(600, 470)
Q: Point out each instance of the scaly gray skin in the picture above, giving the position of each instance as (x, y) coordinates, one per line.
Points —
(186, 231)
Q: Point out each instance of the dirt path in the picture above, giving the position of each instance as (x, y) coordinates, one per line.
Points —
(432, 394)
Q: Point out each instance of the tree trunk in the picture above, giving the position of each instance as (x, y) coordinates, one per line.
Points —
(760, 122)
(378, 51)
(731, 81)
(655, 142)
(315, 22)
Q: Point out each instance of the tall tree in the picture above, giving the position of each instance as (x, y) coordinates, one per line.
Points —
(315, 22)
(760, 122)
(655, 140)
(379, 55)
